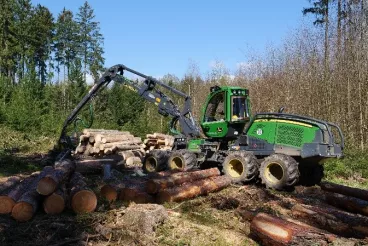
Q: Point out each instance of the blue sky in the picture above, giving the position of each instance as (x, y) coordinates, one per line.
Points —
(160, 37)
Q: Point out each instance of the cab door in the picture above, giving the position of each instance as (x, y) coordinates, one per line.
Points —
(214, 122)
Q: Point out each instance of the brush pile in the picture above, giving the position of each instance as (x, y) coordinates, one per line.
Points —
(52, 189)
(101, 142)
(158, 141)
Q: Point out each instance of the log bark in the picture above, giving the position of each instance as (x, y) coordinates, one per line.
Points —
(8, 199)
(270, 230)
(332, 220)
(113, 138)
(155, 185)
(347, 203)
(94, 166)
(345, 190)
(9, 183)
(193, 189)
(136, 193)
(55, 203)
(82, 199)
(47, 185)
(26, 206)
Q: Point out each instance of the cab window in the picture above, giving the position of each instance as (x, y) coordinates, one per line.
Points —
(239, 108)
(216, 108)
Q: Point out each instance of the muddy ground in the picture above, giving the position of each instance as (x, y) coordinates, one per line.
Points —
(221, 218)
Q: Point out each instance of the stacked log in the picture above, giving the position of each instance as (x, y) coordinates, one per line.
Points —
(158, 141)
(100, 142)
(82, 198)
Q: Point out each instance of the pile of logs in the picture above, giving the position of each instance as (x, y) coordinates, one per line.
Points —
(53, 189)
(100, 142)
(166, 186)
(158, 141)
(344, 216)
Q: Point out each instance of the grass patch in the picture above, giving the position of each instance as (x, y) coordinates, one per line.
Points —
(10, 164)
(351, 170)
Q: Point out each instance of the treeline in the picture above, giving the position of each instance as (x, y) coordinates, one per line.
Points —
(321, 71)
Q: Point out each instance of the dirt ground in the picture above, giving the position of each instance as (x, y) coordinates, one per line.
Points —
(216, 219)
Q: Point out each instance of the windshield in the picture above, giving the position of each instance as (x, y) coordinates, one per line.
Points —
(239, 108)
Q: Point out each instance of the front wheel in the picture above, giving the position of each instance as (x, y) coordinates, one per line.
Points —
(279, 171)
(240, 166)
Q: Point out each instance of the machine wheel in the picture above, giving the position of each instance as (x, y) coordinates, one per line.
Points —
(279, 171)
(310, 174)
(155, 161)
(182, 160)
(240, 166)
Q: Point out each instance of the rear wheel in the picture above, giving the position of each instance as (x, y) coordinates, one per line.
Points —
(182, 160)
(155, 161)
(240, 166)
(279, 171)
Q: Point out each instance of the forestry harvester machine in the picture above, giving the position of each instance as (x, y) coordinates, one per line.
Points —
(280, 149)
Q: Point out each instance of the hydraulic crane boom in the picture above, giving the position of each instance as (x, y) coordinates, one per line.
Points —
(148, 91)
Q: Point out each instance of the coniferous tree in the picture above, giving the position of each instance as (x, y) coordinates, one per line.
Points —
(91, 40)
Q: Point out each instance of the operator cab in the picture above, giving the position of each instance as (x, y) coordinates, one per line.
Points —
(226, 112)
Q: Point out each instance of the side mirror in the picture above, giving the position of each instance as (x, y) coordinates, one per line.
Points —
(281, 110)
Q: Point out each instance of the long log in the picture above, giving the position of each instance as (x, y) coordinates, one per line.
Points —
(9, 183)
(55, 203)
(83, 199)
(155, 185)
(26, 206)
(347, 203)
(136, 193)
(8, 199)
(113, 138)
(332, 220)
(50, 183)
(86, 131)
(345, 190)
(94, 166)
(193, 189)
(270, 230)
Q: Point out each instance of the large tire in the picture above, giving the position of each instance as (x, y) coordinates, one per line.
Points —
(155, 161)
(279, 171)
(240, 166)
(183, 160)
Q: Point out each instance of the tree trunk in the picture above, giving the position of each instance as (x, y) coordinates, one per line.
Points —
(8, 200)
(155, 185)
(55, 203)
(113, 138)
(332, 220)
(350, 204)
(61, 173)
(9, 183)
(136, 193)
(193, 189)
(345, 190)
(83, 200)
(270, 230)
(26, 206)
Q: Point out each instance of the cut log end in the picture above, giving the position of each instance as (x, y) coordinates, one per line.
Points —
(46, 186)
(54, 204)
(84, 201)
(6, 204)
(109, 193)
(22, 211)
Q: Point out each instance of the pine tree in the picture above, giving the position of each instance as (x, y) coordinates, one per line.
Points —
(91, 40)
